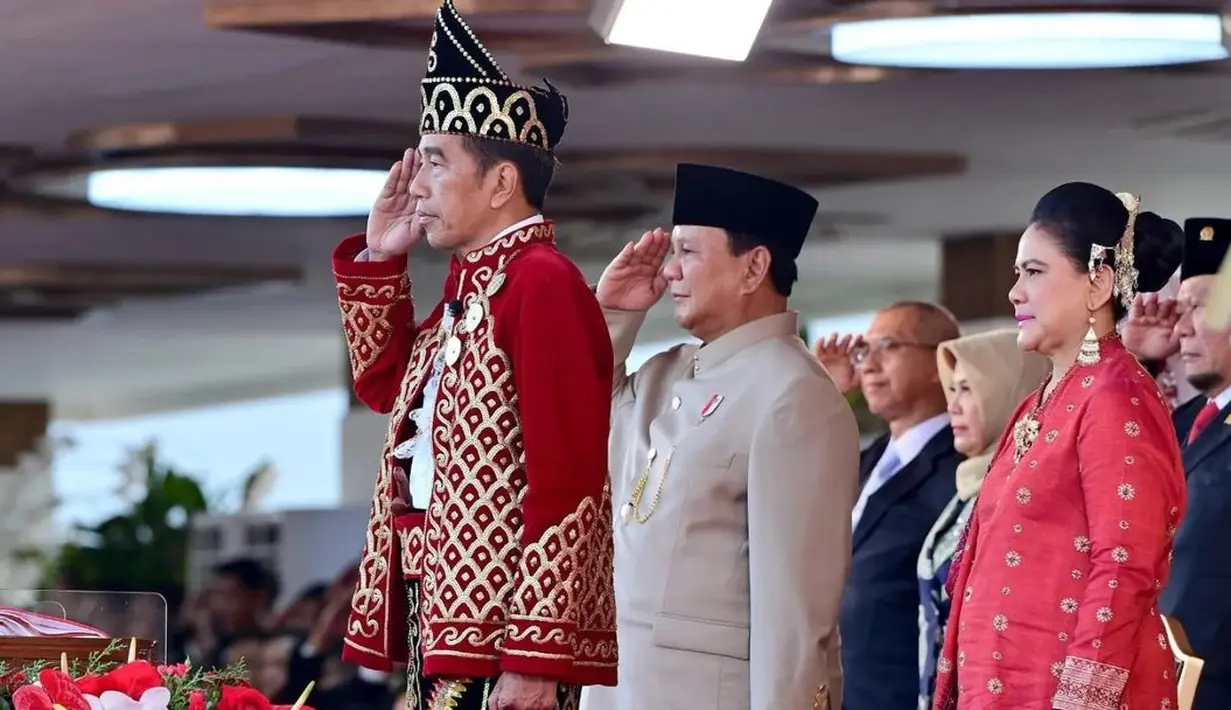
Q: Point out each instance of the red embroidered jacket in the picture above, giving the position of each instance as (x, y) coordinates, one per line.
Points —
(514, 555)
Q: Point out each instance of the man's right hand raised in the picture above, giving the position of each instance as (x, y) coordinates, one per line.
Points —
(834, 353)
(393, 226)
(634, 281)
(1149, 331)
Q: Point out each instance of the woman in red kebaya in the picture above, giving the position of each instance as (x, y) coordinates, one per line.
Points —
(1055, 590)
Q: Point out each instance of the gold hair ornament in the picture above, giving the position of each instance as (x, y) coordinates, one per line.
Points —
(1126, 273)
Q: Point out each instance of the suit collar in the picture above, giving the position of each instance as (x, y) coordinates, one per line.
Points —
(712, 354)
(1222, 399)
(1209, 440)
(505, 244)
(903, 482)
(915, 439)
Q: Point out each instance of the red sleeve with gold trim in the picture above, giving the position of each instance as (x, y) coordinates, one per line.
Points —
(378, 320)
(561, 621)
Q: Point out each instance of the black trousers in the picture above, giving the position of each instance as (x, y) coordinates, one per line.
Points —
(455, 693)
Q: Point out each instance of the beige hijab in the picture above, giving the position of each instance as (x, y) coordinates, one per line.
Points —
(1000, 377)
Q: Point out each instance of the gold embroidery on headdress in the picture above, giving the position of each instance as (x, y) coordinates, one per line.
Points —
(1126, 273)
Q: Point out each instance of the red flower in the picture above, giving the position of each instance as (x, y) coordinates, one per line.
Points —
(196, 700)
(131, 679)
(177, 670)
(236, 697)
(12, 680)
(57, 690)
(90, 684)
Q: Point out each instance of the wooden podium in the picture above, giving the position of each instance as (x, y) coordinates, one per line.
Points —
(27, 636)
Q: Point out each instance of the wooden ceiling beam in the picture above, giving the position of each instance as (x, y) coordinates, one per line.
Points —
(251, 131)
(250, 14)
(813, 167)
(604, 65)
(539, 26)
(67, 291)
(111, 278)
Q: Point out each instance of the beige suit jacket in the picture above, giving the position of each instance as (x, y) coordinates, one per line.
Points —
(728, 593)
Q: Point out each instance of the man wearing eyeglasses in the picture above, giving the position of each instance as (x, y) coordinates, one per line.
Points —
(906, 478)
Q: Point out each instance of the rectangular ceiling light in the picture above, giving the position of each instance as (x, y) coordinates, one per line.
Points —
(719, 29)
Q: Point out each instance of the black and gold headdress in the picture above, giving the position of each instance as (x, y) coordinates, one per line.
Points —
(466, 92)
(1126, 273)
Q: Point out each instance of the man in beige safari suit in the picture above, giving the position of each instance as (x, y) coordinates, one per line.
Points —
(734, 464)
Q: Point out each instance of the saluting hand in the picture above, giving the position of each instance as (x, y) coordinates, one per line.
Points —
(834, 353)
(634, 281)
(393, 226)
(1149, 330)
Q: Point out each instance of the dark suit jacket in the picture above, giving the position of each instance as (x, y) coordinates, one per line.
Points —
(880, 608)
(1199, 590)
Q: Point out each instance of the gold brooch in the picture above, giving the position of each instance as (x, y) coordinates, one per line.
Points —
(1025, 431)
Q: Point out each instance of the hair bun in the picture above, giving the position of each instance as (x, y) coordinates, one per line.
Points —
(1158, 249)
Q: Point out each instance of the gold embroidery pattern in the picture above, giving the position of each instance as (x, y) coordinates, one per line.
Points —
(468, 553)
(1089, 685)
(365, 309)
(534, 233)
(544, 610)
(481, 112)
(447, 694)
(412, 551)
(597, 613)
(369, 623)
(474, 529)
(413, 672)
(465, 91)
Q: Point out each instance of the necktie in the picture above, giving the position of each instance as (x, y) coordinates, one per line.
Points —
(1204, 417)
(885, 468)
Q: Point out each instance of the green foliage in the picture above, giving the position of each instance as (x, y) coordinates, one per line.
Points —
(142, 549)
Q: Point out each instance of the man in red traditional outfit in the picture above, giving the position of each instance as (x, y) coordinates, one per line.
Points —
(488, 561)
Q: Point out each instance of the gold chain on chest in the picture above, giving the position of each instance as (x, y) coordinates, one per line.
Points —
(632, 509)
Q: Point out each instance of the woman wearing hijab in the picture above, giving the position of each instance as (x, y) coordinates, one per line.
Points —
(1058, 573)
(984, 377)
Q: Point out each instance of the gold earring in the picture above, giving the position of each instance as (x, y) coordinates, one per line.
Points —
(1089, 353)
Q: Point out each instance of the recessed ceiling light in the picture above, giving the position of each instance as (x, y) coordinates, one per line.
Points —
(1032, 40)
(718, 29)
(234, 191)
(279, 166)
